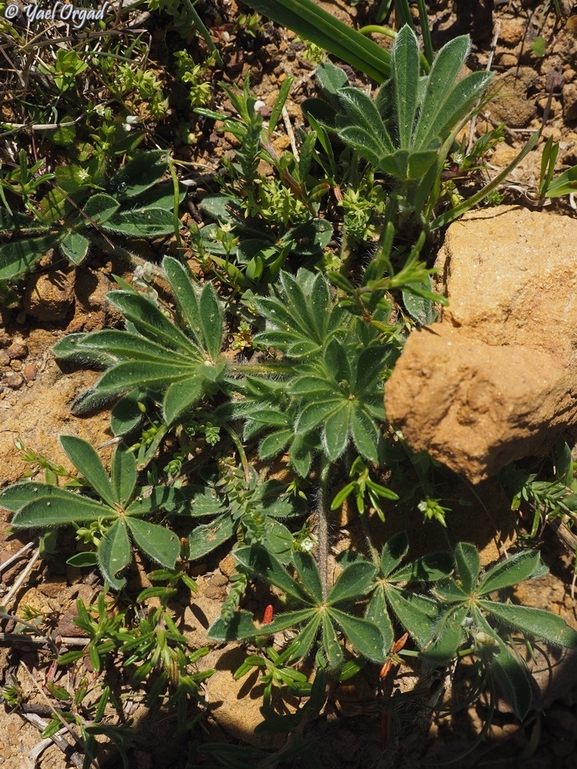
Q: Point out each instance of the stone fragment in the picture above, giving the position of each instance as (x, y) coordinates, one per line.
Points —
(49, 296)
(18, 349)
(13, 379)
(512, 105)
(570, 102)
(496, 379)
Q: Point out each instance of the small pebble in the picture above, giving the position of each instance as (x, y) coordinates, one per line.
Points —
(16, 365)
(14, 379)
(17, 349)
(30, 372)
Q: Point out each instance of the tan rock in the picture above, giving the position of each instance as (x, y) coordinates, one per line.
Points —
(512, 105)
(49, 296)
(495, 380)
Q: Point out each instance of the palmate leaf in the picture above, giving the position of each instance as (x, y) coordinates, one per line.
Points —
(211, 320)
(378, 614)
(159, 544)
(258, 561)
(149, 321)
(239, 627)
(123, 474)
(119, 345)
(448, 635)
(180, 396)
(517, 568)
(394, 551)
(207, 537)
(512, 678)
(363, 635)
(86, 459)
(417, 613)
(185, 295)
(533, 622)
(335, 434)
(58, 507)
(354, 581)
(444, 70)
(468, 565)
(366, 434)
(114, 553)
(309, 574)
(315, 413)
(331, 645)
(405, 64)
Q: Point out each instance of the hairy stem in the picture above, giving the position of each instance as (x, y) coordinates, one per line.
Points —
(323, 526)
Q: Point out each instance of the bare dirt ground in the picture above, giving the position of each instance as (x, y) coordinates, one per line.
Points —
(35, 397)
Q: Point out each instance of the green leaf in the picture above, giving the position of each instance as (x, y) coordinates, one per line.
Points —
(86, 459)
(449, 634)
(114, 553)
(211, 320)
(363, 635)
(337, 363)
(512, 678)
(83, 560)
(468, 565)
(99, 208)
(309, 574)
(180, 397)
(335, 435)
(159, 543)
(429, 568)
(534, 622)
(75, 246)
(238, 628)
(153, 376)
(287, 620)
(406, 67)
(151, 323)
(14, 497)
(513, 570)
(274, 443)
(444, 71)
(57, 507)
(564, 184)
(314, 413)
(395, 549)
(416, 613)
(308, 634)
(185, 295)
(141, 222)
(378, 614)
(145, 170)
(366, 434)
(20, 256)
(448, 591)
(353, 582)
(258, 561)
(364, 121)
(331, 645)
(126, 414)
(206, 538)
(123, 474)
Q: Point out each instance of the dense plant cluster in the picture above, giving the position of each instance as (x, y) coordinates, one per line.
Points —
(276, 356)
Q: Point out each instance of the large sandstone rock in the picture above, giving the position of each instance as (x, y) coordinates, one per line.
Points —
(496, 379)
